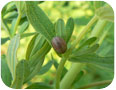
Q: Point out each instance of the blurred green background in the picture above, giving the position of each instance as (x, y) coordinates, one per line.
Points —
(81, 12)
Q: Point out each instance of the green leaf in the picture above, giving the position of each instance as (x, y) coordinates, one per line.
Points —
(23, 27)
(36, 61)
(86, 50)
(10, 7)
(79, 76)
(69, 29)
(20, 74)
(105, 13)
(45, 68)
(30, 46)
(39, 20)
(10, 15)
(13, 26)
(40, 54)
(60, 28)
(94, 59)
(39, 85)
(4, 40)
(26, 69)
(88, 42)
(39, 42)
(5, 72)
(23, 35)
(11, 53)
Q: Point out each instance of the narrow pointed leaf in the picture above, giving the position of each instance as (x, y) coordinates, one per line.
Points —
(30, 47)
(11, 53)
(22, 72)
(10, 6)
(27, 34)
(11, 15)
(40, 85)
(13, 26)
(39, 20)
(36, 61)
(69, 29)
(86, 50)
(60, 28)
(39, 42)
(23, 27)
(5, 72)
(94, 59)
(88, 42)
(4, 40)
(45, 68)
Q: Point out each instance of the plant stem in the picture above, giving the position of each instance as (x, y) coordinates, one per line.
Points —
(59, 72)
(5, 26)
(71, 75)
(98, 28)
(96, 84)
(76, 67)
(17, 23)
(85, 30)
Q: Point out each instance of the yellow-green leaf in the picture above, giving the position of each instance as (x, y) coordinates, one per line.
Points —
(11, 53)
(39, 20)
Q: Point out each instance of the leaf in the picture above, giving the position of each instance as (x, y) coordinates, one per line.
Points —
(36, 61)
(20, 74)
(39, 20)
(26, 69)
(45, 68)
(30, 47)
(39, 85)
(13, 26)
(60, 28)
(4, 40)
(10, 15)
(10, 7)
(39, 54)
(11, 53)
(23, 27)
(105, 13)
(94, 59)
(23, 35)
(69, 29)
(88, 42)
(79, 76)
(5, 72)
(39, 42)
(86, 50)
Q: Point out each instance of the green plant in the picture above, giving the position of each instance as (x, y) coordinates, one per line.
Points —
(82, 52)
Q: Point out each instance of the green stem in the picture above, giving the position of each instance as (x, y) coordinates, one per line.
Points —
(59, 72)
(85, 30)
(100, 83)
(17, 23)
(98, 28)
(5, 25)
(71, 75)
(76, 67)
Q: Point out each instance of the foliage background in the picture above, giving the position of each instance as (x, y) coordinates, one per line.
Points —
(81, 13)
